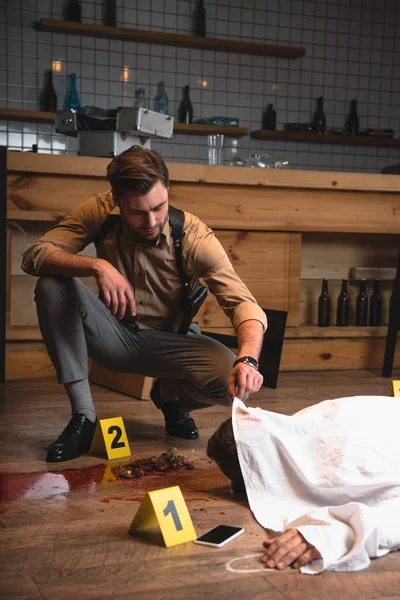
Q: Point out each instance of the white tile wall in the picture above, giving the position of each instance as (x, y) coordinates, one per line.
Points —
(352, 51)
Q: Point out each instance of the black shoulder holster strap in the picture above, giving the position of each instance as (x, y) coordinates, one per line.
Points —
(177, 220)
(110, 222)
(192, 298)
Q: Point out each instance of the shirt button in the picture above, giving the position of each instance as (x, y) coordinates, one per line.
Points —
(140, 302)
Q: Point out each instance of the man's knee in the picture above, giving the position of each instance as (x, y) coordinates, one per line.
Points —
(221, 357)
(52, 288)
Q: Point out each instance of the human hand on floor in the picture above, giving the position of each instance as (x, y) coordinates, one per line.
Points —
(244, 379)
(288, 548)
(115, 290)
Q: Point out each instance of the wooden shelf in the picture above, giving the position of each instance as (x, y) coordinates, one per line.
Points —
(313, 331)
(325, 138)
(168, 39)
(23, 334)
(200, 129)
(35, 116)
(34, 215)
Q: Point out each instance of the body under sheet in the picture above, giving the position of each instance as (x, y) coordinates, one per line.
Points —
(332, 471)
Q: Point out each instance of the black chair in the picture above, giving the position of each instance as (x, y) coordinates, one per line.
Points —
(271, 351)
(394, 325)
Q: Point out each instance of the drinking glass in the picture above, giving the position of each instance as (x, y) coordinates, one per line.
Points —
(215, 148)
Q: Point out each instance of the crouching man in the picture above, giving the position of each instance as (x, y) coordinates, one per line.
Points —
(132, 325)
(327, 478)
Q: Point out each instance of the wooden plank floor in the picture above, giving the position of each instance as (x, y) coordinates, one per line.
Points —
(63, 529)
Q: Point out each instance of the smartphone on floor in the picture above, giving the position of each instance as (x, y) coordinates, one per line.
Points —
(219, 536)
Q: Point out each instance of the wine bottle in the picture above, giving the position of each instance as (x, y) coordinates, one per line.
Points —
(318, 124)
(343, 306)
(269, 118)
(324, 306)
(352, 122)
(48, 97)
(200, 20)
(185, 110)
(72, 98)
(110, 13)
(362, 305)
(161, 99)
(375, 306)
(73, 11)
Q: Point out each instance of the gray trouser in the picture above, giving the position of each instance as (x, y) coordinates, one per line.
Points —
(76, 325)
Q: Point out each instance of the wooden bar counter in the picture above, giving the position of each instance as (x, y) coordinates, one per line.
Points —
(283, 230)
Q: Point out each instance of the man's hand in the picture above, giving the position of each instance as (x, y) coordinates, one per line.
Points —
(244, 379)
(115, 290)
(289, 548)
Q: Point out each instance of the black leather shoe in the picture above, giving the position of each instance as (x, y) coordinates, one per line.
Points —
(179, 424)
(74, 440)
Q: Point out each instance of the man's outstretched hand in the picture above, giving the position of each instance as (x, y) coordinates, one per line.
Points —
(115, 290)
(288, 548)
(244, 379)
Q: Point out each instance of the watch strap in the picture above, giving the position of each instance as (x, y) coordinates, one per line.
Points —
(247, 360)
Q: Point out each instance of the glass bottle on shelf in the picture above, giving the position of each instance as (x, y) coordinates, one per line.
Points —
(110, 13)
(352, 122)
(375, 306)
(324, 306)
(48, 97)
(139, 98)
(362, 305)
(72, 98)
(161, 99)
(185, 110)
(73, 11)
(200, 19)
(318, 124)
(343, 306)
(269, 118)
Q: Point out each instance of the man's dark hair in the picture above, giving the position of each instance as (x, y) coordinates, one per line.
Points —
(222, 448)
(136, 170)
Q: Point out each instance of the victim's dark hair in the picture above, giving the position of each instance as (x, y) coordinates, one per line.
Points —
(222, 448)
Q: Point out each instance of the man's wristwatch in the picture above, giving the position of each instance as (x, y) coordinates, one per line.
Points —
(247, 360)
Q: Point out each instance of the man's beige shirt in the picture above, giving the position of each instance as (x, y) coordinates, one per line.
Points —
(151, 270)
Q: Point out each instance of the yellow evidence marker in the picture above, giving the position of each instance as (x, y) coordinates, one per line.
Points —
(110, 437)
(395, 391)
(167, 509)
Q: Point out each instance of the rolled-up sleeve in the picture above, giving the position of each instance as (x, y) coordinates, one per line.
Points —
(72, 235)
(207, 259)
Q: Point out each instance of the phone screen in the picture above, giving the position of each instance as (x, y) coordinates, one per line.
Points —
(219, 534)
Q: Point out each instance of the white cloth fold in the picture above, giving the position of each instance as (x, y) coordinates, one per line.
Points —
(332, 471)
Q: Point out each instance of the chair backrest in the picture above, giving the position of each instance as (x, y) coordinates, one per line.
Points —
(271, 351)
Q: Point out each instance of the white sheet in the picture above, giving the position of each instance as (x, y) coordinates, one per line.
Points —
(332, 471)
